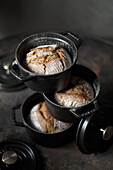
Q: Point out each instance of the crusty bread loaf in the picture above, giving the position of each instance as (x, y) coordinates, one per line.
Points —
(47, 59)
(41, 120)
(77, 94)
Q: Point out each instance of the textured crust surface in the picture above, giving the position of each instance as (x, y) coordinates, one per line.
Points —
(78, 94)
(47, 59)
(46, 121)
(43, 121)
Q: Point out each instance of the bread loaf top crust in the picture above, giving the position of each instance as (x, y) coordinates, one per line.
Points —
(79, 93)
(47, 59)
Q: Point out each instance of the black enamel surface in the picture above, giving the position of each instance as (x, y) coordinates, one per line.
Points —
(89, 136)
(64, 113)
(45, 83)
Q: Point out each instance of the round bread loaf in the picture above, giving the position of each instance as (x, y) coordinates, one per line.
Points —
(77, 94)
(41, 120)
(47, 59)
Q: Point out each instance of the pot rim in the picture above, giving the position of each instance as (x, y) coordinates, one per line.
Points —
(41, 75)
(63, 107)
(49, 133)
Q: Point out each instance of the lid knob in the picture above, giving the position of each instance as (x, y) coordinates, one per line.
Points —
(107, 133)
(9, 157)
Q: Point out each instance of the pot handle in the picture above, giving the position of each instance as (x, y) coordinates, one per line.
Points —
(14, 70)
(76, 40)
(14, 116)
(88, 113)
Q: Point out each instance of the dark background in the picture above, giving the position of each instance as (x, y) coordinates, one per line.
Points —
(92, 18)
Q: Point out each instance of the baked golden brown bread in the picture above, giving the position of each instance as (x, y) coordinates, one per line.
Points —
(41, 120)
(46, 121)
(47, 59)
(77, 94)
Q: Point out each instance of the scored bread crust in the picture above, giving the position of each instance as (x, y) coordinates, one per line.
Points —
(49, 59)
(79, 94)
(46, 121)
(41, 120)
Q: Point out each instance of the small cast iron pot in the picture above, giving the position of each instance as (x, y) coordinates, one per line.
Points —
(45, 139)
(45, 83)
(67, 114)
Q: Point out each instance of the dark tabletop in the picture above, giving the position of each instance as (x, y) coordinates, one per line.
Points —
(97, 55)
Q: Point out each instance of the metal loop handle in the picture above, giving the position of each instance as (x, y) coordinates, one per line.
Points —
(76, 40)
(83, 115)
(14, 69)
(15, 122)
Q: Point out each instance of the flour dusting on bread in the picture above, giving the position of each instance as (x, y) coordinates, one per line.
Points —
(47, 59)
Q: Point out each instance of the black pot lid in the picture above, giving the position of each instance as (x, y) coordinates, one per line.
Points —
(95, 133)
(7, 81)
(16, 155)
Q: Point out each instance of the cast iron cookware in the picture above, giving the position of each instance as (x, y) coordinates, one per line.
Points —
(67, 114)
(45, 139)
(94, 120)
(7, 80)
(17, 154)
(95, 132)
(45, 83)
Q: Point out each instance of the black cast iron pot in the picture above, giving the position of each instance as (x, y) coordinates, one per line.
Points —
(45, 139)
(67, 114)
(45, 83)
